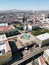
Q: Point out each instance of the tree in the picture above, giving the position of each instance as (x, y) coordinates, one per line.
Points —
(24, 18)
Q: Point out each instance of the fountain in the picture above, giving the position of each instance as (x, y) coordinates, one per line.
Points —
(26, 36)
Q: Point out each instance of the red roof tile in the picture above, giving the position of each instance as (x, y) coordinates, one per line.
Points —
(5, 28)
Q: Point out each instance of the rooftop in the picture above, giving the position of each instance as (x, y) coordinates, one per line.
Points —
(43, 36)
(6, 28)
(29, 55)
(23, 40)
(27, 40)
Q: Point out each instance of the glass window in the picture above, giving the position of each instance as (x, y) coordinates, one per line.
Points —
(3, 51)
(0, 51)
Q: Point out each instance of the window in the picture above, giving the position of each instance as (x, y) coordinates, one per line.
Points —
(0, 51)
(1, 43)
(3, 51)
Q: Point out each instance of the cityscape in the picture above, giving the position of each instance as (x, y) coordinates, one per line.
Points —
(24, 32)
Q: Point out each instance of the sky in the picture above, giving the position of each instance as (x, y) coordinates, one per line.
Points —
(24, 4)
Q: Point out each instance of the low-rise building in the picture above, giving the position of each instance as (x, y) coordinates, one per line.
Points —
(42, 39)
(29, 27)
(5, 50)
(9, 31)
(3, 24)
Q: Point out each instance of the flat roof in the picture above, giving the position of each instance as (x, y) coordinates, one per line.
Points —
(43, 36)
(24, 42)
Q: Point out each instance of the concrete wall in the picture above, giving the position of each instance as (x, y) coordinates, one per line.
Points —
(45, 42)
(42, 43)
(38, 41)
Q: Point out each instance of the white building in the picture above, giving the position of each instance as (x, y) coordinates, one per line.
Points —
(29, 27)
(3, 24)
(24, 27)
(2, 45)
(3, 37)
(42, 39)
(5, 50)
(43, 16)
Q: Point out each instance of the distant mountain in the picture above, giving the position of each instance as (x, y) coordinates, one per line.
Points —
(22, 11)
(14, 10)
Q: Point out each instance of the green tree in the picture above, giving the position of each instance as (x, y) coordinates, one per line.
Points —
(24, 18)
